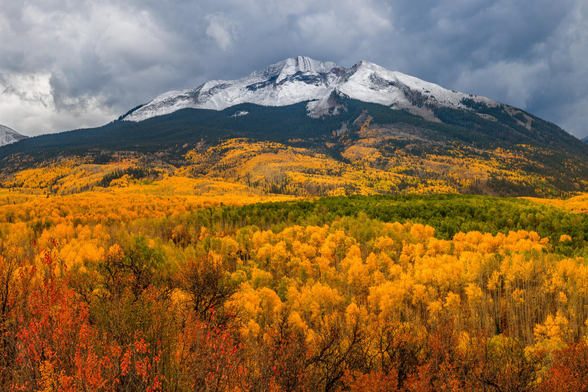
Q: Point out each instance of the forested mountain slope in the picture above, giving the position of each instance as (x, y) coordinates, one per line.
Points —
(329, 131)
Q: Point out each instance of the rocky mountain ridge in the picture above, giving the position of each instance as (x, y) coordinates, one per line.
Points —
(321, 84)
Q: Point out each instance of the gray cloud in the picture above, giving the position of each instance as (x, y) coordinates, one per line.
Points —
(71, 64)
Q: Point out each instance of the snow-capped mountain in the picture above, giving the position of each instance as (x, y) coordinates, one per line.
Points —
(9, 136)
(303, 79)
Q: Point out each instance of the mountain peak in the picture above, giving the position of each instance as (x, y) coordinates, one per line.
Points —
(292, 66)
(303, 79)
(306, 64)
(367, 64)
(9, 136)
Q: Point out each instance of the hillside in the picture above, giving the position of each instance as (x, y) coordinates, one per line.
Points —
(150, 287)
(332, 131)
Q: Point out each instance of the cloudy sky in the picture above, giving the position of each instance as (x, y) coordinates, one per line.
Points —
(67, 64)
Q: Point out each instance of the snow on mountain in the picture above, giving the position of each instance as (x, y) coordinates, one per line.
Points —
(9, 136)
(303, 79)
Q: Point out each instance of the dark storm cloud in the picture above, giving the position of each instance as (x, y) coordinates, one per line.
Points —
(67, 64)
